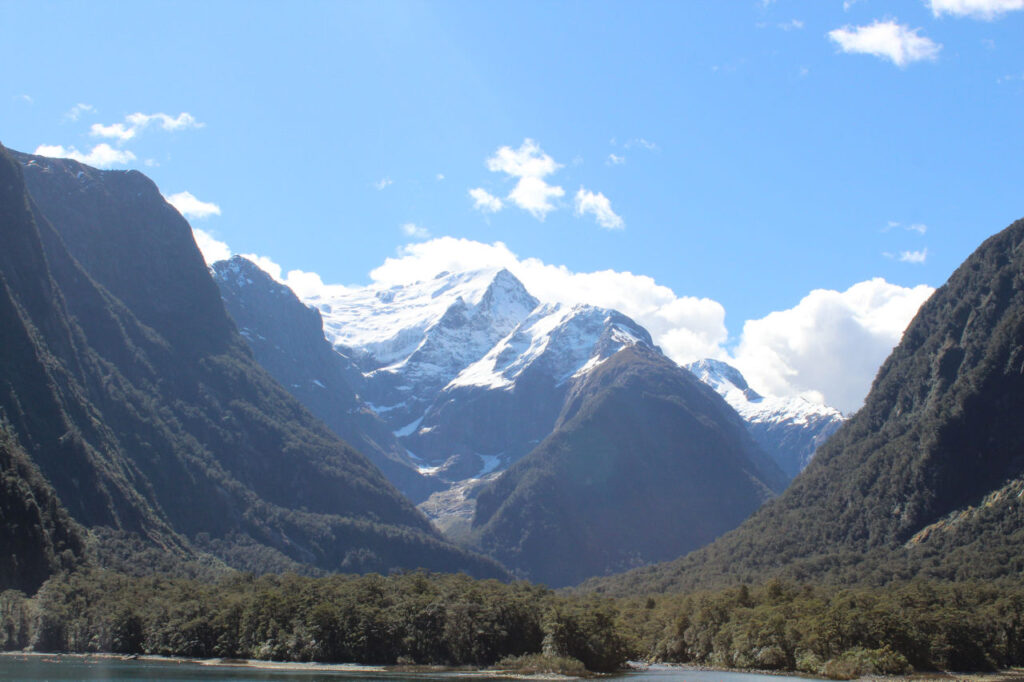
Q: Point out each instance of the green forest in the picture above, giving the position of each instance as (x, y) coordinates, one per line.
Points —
(418, 618)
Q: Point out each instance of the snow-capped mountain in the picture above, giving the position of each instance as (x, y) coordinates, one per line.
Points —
(468, 369)
(411, 341)
(789, 429)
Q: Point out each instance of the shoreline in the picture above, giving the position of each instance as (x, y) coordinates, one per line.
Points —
(283, 666)
(1011, 675)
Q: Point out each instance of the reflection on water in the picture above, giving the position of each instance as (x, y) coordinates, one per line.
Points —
(94, 668)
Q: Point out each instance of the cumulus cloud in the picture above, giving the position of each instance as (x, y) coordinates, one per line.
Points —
(920, 228)
(191, 207)
(114, 130)
(886, 40)
(182, 121)
(415, 231)
(686, 328)
(134, 123)
(830, 345)
(530, 165)
(599, 205)
(826, 348)
(485, 201)
(212, 249)
(383, 182)
(976, 9)
(101, 156)
(615, 160)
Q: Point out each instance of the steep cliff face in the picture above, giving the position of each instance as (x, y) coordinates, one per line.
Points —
(127, 384)
(645, 463)
(287, 339)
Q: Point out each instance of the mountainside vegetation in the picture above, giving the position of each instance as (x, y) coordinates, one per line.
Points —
(644, 464)
(430, 619)
(921, 474)
(287, 339)
(37, 535)
(148, 415)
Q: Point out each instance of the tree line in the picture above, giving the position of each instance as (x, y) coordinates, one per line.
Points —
(454, 620)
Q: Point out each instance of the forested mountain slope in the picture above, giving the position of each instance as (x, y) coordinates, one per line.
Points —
(930, 466)
(644, 464)
(126, 383)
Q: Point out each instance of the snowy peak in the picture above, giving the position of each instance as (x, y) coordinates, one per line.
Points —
(724, 378)
(556, 340)
(388, 323)
(789, 429)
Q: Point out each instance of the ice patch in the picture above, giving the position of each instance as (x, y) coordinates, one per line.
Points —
(408, 429)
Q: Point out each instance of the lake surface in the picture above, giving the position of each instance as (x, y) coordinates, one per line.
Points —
(77, 668)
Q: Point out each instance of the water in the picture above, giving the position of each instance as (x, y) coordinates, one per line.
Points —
(39, 668)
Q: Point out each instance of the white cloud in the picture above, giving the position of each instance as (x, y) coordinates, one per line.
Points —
(76, 111)
(114, 130)
(485, 201)
(101, 156)
(976, 9)
(212, 249)
(686, 328)
(383, 182)
(439, 177)
(615, 160)
(791, 25)
(599, 205)
(534, 195)
(25, 98)
(920, 228)
(828, 347)
(191, 207)
(182, 121)
(262, 262)
(134, 123)
(917, 257)
(831, 343)
(530, 165)
(886, 40)
(415, 231)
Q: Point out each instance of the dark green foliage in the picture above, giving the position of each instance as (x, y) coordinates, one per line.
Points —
(433, 619)
(644, 464)
(37, 537)
(939, 431)
(125, 382)
(405, 618)
(839, 632)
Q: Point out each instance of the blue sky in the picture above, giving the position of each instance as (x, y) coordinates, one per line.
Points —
(743, 152)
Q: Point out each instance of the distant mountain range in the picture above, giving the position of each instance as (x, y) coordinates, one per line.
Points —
(472, 374)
